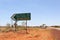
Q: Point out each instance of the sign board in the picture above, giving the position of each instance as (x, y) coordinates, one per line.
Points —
(21, 16)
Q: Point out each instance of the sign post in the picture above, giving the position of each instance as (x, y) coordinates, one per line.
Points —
(15, 25)
(21, 16)
(26, 26)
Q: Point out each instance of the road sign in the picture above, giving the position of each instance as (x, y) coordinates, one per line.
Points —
(21, 16)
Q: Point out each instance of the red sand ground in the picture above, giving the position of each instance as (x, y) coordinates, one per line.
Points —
(33, 34)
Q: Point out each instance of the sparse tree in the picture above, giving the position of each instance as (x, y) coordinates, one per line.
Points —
(23, 23)
(8, 25)
(43, 26)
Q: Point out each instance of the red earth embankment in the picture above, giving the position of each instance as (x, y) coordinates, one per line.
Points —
(33, 34)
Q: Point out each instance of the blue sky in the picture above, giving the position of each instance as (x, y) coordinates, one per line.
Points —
(42, 11)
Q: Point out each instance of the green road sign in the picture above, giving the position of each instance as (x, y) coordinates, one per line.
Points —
(21, 16)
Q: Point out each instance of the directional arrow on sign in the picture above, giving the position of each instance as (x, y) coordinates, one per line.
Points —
(12, 17)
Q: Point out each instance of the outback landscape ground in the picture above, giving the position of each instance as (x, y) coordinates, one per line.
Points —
(33, 34)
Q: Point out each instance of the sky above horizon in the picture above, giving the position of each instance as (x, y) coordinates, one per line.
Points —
(42, 11)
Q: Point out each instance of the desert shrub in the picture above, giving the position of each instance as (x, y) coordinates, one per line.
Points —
(56, 26)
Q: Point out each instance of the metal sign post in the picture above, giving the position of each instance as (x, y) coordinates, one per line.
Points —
(15, 25)
(26, 27)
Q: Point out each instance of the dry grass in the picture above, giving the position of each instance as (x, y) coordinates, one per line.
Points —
(33, 34)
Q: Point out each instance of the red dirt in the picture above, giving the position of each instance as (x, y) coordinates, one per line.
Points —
(33, 34)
